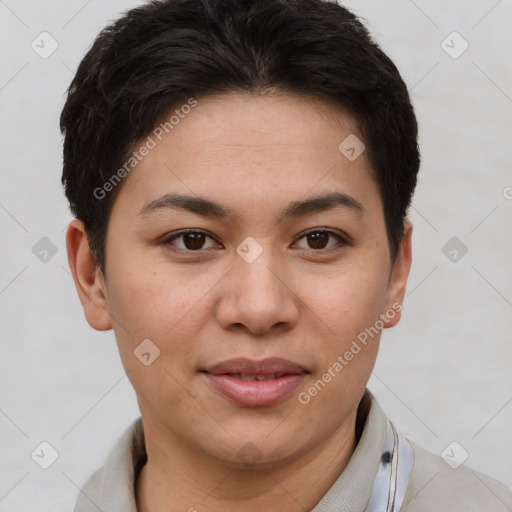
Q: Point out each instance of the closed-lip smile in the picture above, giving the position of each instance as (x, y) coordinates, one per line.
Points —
(253, 383)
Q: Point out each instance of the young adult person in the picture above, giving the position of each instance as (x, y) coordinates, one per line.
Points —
(240, 173)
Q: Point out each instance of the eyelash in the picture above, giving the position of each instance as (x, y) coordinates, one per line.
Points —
(342, 240)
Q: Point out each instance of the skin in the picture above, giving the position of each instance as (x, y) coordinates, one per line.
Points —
(253, 154)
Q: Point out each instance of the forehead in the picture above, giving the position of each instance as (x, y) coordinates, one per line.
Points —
(276, 118)
(250, 147)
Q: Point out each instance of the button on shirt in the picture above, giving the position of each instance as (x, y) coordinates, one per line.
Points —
(434, 486)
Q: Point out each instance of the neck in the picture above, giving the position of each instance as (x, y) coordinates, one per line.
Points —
(177, 479)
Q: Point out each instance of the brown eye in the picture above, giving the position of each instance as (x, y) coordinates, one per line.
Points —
(193, 241)
(319, 239)
(190, 240)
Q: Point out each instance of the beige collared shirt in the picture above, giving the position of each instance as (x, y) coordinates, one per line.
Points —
(433, 486)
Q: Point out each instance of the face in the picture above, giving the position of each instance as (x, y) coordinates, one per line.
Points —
(287, 258)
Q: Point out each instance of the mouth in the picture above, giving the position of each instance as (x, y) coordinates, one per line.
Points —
(248, 376)
(255, 383)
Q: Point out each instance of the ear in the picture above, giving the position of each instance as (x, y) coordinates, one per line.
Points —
(399, 275)
(89, 281)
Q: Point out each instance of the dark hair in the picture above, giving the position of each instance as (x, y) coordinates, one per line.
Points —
(163, 53)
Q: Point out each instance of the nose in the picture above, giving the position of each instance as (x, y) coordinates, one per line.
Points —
(258, 296)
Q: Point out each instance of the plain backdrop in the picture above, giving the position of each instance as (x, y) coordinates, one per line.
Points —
(443, 374)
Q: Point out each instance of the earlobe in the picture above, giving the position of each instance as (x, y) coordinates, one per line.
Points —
(399, 276)
(89, 281)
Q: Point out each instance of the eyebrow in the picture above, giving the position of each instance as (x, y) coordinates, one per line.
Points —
(208, 208)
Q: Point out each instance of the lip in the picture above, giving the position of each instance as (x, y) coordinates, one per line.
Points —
(264, 367)
(225, 378)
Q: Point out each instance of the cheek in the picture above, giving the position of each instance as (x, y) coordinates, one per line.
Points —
(152, 295)
(346, 308)
(348, 301)
(150, 302)
(165, 309)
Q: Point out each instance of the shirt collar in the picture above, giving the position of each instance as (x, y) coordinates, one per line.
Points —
(112, 487)
(353, 488)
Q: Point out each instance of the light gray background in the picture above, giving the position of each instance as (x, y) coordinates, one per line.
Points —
(443, 373)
